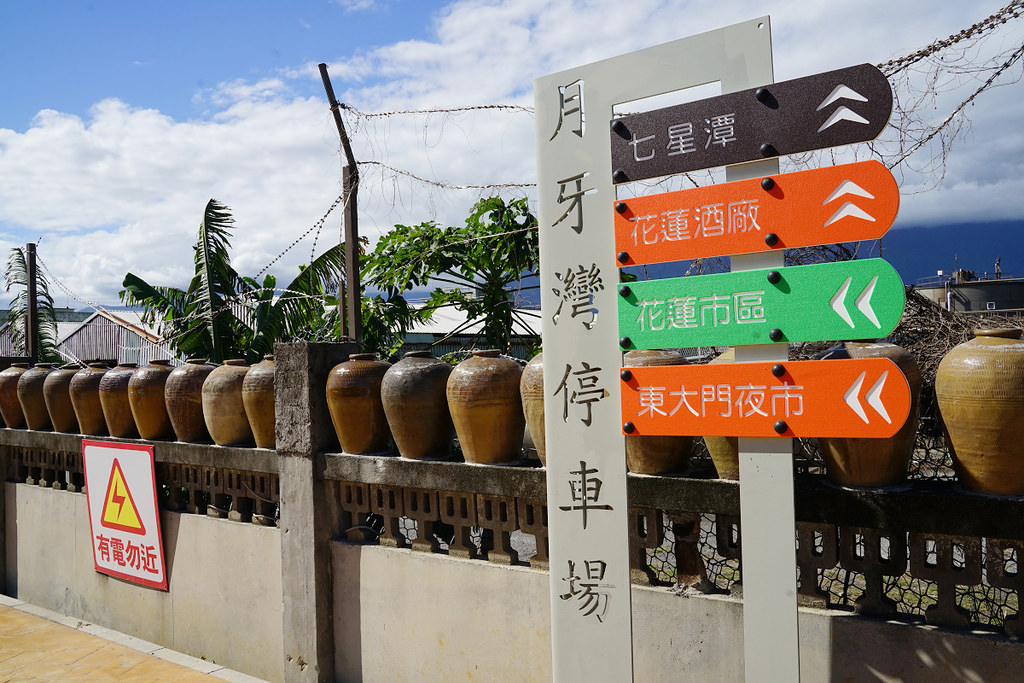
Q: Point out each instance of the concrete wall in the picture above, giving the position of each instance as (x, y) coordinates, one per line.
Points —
(401, 615)
(224, 600)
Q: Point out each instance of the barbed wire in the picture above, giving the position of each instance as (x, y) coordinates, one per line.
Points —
(1011, 11)
(442, 110)
(1015, 56)
(446, 186)
(342, 198)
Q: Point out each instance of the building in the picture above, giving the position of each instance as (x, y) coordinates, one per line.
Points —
(964, 292)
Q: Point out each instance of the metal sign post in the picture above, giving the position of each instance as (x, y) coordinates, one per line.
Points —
(586, 477)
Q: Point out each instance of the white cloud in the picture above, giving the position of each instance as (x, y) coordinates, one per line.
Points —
(123, 189)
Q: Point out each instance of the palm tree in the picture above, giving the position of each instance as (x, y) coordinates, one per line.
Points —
(225, 315)
(17, 275)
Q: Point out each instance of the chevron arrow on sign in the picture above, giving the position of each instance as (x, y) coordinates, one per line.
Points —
(872, 396)
(845, 203)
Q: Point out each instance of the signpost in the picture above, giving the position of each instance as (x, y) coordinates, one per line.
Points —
(586, 475)
(864, 398)
(824, 110)
(586, 234)
(843, 203)
(124, 521)
(818, 302)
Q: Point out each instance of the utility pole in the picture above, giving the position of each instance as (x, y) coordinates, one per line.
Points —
(350, 294)
(31, 310)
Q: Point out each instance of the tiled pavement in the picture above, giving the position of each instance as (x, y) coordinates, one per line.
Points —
(39, 645)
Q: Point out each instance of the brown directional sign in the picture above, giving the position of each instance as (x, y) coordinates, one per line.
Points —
(824, 110)
(845, 203)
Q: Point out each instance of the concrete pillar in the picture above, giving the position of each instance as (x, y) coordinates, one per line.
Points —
(310, 517)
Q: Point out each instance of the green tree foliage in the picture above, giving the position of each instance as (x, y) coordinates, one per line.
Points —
(16, 276)
(475, 264)
(222, 314)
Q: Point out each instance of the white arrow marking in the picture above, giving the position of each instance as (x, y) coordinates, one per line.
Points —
(874, 397)
(851, 398)
(848, 187)
(863, 302)
(838, 305)
(841, 92)
(842, 114)
(849, 209)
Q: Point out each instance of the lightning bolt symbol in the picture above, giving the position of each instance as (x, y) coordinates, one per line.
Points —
(117, 499)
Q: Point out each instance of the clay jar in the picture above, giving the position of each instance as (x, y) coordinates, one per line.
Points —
(724, 450)
(30, 395)
(146, 398)
(487, 410)
(531, 389)
(980, 389)
(656, 454)
(413, 395)
(258, 399)
(56, 393)
(183, 396)
(222, 404)
(876, 463)
(354, 399)
(84, 390)
(10, 406)
(117, 411)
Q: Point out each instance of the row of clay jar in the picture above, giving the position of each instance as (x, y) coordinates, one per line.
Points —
(420, 402)
(197, 402)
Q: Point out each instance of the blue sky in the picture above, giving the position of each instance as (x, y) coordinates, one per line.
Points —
(119, 120)
(69, 55)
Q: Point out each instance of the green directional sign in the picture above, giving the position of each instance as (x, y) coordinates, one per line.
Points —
(846, 300)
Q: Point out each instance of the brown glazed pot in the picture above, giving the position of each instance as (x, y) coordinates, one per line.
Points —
(10, 406)
(353, 397)
(531, 389)
(57, 394)
(725, 450)
(980, 389)
(487, 410)
(117, 411)
(183, 397)
(30, 395)
(656, 454)
(222, 404)
(258, 399)
(412, 392)
(146, 398)
(84, 390)
(876, 463)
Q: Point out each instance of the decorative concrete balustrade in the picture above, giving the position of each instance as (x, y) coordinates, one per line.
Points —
(927, 553)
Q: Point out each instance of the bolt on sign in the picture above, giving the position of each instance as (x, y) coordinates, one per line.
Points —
(824, 110)
(124, 521)
(586, 473)
(842, 203)
(818, 302)
(865, 398)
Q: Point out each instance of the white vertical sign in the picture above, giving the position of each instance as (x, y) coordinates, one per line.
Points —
(586, 478)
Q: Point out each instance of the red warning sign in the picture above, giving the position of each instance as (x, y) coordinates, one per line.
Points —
(119, 511)
(124, 517)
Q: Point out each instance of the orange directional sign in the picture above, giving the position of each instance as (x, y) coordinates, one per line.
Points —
(864, 397)
(846, 203)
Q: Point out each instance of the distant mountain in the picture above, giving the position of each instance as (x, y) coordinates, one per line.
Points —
(921, 251)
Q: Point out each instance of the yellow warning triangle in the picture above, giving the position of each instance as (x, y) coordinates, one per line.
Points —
(119, 511)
